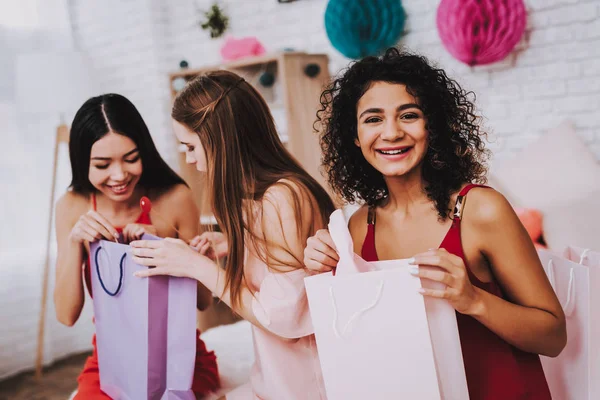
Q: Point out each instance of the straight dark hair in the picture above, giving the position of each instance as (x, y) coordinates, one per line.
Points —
(114, 113)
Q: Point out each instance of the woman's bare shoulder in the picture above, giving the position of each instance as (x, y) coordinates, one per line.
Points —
(72, 205)
(172, 199)
(358, 222)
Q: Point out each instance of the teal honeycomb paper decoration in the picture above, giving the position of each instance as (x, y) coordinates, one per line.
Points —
(360, 28)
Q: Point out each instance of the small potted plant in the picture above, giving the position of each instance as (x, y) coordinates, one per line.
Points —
(215, 21)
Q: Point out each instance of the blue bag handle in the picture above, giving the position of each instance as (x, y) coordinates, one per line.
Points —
(100, 276)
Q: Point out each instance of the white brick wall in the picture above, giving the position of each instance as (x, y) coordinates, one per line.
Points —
(553, 74)
(123, 39)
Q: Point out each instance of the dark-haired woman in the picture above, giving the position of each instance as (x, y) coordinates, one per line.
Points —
(402, 137)
(114, 163)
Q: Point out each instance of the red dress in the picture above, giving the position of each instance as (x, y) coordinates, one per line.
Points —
(206, 375)
(495, 369)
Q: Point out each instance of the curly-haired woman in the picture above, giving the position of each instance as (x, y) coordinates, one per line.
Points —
(402, 137)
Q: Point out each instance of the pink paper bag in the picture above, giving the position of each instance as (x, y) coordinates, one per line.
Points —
(575, 373)
(377, 337)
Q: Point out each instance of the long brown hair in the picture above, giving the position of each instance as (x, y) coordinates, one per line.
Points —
(245, 157)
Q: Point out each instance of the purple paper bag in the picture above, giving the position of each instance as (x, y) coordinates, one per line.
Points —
(145, 327)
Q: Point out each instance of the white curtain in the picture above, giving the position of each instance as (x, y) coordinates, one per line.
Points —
(26, 152)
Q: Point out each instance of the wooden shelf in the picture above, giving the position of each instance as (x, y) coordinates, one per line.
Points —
(237, 64)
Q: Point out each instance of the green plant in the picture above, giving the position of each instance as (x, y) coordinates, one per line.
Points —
(215, 21)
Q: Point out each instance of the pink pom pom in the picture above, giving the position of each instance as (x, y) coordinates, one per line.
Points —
(479, 32)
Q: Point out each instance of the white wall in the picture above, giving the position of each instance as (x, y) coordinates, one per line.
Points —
(553, 74)
(26, 149)
(123, 40)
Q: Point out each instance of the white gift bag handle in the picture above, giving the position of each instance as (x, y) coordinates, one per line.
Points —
(338, 229)
(356, 314)
(569, 305)
(349, 263)
(584, 256)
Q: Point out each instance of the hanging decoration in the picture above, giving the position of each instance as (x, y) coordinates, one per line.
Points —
(312, 70)
(479, 32)
(178, 83)
(267, 79)
(216, 21)
(360, 28)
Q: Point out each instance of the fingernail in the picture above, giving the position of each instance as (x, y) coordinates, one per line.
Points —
(414, 270)
(136, 274)
(411, 260)
(421, 290)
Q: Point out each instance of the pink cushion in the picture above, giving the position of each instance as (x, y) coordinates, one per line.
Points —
(555, 169)
(532, 221)
(560, 177)
(234, 49)
(576, 223)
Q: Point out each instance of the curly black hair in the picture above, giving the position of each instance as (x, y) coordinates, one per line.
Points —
(456, 151)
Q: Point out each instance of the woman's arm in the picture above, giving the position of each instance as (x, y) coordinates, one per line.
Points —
(187, 220)
(283, 235)
(72, 231)
(68, 291)
(531, 318)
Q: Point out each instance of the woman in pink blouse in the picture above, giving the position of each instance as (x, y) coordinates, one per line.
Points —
(267, 207)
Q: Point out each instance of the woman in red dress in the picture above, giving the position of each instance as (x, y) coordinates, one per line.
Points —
(403, 138)
(114, 163)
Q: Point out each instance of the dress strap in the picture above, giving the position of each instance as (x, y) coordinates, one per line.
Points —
(369, 252)
(93, 197)
(460, 200)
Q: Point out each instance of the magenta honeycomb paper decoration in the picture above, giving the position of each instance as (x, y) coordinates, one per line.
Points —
(479, 32)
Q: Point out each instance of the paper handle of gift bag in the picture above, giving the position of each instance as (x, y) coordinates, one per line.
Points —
(349, 263)
(568, 307)
(108, 292)
(354, 316)
(340, 235)
(584, 256)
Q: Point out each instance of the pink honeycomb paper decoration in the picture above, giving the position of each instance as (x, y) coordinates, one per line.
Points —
(479, 32)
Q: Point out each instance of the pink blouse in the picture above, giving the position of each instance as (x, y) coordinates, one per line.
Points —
(286, 361)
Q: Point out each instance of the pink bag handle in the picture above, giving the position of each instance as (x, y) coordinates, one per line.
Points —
(569, 305)
(349, 263)
(354, 316)
(338, 229)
